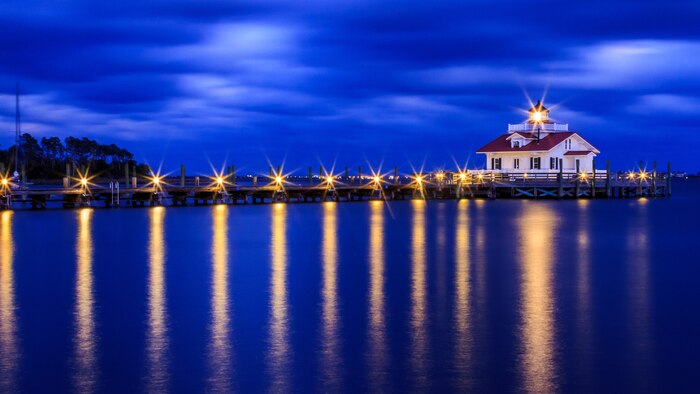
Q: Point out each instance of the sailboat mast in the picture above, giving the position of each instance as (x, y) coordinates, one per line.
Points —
(17, 127)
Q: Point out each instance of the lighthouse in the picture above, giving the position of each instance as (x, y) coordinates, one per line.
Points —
(539, 145)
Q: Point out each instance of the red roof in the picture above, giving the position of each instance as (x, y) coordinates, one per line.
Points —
(578, 153)
(502, 144)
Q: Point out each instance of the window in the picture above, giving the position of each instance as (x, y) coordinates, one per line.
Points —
(497, 164)
(516, 163)
(567, 144)
(552, 162)
(578, 164)
(516, 144)
(535, 163)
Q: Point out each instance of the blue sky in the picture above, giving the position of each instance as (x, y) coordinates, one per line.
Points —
(352, 82)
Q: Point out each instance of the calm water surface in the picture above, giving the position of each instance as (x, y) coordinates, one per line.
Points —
(534, 296)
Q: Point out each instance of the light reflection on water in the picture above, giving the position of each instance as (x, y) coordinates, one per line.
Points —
(462, 311)
(85, 378)
(419, 319)
(330, 349)
(279, 357)
(220, 346)
(639, 289)
(377, 357)
(537, 227)
(9, 353)
(324, 299)
(584, 325)
(157, 338)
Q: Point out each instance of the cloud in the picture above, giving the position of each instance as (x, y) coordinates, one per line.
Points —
(666, 104)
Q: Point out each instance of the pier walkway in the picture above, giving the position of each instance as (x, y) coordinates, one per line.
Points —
(430, 186)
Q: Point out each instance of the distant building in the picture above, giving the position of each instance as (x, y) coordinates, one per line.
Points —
(539, 145)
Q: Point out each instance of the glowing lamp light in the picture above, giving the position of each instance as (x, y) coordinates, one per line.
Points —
(480, 176)
(156, 180)
(83, 181)
(419, 179)
(537, 116)
(377, 179)
(583, 175)
(4, 182)
(462, 176)
(219, 180)
(278, 179)
(329, 179)
(643, 175)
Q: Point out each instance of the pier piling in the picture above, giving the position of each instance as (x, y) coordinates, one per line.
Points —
(668, 180)
(182, 175)
(608, 185)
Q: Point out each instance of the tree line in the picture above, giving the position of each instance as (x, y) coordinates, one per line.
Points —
(47, 159)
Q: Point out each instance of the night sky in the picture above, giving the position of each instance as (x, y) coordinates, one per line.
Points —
(352, 82)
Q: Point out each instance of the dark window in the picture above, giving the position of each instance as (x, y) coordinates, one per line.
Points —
(552, 163)
(497, 164)
(516, 163)
(535, 163)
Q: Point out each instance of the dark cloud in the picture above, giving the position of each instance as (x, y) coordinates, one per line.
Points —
(349, 80)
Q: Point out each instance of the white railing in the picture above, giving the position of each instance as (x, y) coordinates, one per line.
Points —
(544, 127)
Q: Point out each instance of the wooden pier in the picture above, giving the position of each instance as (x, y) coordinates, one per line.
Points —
(443, 185)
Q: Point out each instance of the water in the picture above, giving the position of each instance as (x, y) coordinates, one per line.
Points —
(538, 296)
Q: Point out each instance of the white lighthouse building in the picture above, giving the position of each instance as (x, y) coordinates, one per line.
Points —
(539, 145)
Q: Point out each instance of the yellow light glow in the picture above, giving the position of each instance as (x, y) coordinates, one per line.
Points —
(156, 180)
(643, 175)
(157, 340)
(85, 331)
(583, 175)
(419, 179)
(278, 179)
(377, 179)
(329, 179)
(537, 116)
(525, 175)
(462, 176)
(219, 180)
(4, 182)
(480, 176)
(83, 181)
(220, 344)
(440, 175)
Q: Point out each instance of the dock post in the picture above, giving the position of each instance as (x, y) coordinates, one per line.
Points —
(255, 183)
(608, 186)
(396, 175)
(578, 179)
(639, 180)
(560, 178)
(311, 176)
(668, 180)
(133, 182)
(359, 175)
(182, 175)
(320, 172)
(23, 172)
(653, 181)
(126, 175)
(68, 171)
(593, 181)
